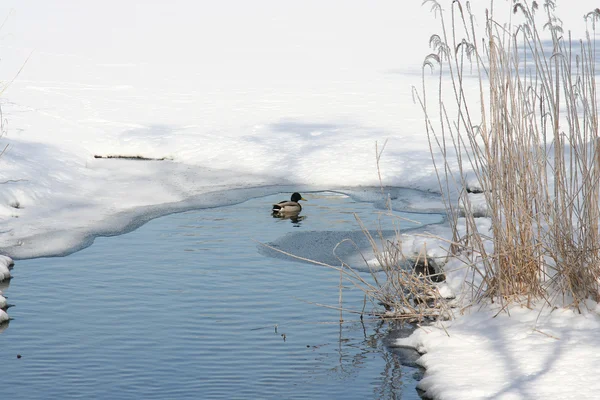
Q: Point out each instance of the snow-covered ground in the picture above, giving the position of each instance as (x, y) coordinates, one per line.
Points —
(531, 354)
(234, 94)
(238, 96)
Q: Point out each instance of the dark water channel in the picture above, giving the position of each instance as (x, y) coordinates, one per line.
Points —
(187, 307)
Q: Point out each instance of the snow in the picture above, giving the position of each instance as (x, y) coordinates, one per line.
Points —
(297, 94)
(245, 99)
(531, 354)
(5, 263)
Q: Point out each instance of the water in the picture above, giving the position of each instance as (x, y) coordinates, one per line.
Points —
(187, 307)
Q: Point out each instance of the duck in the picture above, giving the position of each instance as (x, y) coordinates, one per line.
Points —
(289, 206)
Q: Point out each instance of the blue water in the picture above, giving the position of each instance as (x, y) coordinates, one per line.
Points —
(187, 307)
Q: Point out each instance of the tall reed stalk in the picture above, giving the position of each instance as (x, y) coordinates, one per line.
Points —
(516, 107)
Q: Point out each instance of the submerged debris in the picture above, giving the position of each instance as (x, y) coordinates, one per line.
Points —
(429, 268)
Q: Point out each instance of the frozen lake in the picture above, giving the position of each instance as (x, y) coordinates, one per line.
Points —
(187, 306)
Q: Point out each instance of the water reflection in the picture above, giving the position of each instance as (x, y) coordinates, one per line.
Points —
(355, 352)
(294, 218)
(4, 284)
(400, 372)
(4, 326)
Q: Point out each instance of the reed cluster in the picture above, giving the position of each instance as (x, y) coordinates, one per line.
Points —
(406, 286)
(513, 112)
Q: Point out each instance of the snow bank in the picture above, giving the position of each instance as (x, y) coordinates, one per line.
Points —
(5, 264)
(531, 354)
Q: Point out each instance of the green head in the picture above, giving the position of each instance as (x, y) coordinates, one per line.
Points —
(297, 197)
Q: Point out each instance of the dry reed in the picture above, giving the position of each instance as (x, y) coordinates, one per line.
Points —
(529, 135)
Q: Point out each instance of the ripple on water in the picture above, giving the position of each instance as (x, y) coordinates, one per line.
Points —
(187, 307)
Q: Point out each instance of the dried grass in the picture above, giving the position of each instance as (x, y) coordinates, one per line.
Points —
(530, 137)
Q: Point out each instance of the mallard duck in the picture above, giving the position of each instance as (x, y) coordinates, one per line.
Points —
(289, 206)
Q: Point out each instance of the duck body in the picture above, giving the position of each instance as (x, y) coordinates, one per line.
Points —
(289, 206)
